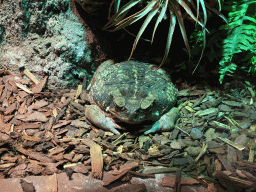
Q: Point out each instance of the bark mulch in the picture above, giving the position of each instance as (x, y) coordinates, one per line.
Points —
(47, 144)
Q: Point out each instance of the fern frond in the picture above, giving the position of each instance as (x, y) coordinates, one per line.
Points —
(241, 36)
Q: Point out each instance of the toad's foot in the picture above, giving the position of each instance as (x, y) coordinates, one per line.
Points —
(166, 122)
(95, 115)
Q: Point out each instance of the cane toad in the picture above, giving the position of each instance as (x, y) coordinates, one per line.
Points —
(131, 92)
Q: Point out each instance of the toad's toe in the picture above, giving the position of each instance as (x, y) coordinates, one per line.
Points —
(166, 122)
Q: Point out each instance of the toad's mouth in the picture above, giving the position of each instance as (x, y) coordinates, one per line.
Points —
(124, 116)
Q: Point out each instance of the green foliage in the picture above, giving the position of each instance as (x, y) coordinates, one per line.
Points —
(157, 10)
(240, 45)
(213, 46)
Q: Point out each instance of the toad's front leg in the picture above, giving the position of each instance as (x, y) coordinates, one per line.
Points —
(166, 122)
(96, 116)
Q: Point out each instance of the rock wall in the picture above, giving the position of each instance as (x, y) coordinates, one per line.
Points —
(45, 37)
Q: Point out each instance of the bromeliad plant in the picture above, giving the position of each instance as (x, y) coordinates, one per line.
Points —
(159, 9)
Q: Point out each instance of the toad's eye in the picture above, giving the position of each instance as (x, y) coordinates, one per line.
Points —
(147, 102)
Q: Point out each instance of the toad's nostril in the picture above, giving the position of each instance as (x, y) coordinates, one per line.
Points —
(131, 110)
(132, 105)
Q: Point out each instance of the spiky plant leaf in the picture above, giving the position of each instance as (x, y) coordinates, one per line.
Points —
(176, 9)
(119, 21)
(117, 5)
(188, 10)
(204, 11)
(170, 34)
(216, 12)
(128, 6)
(160, 17)
(139, 14)
(135, 17)
(143, 27)
(119, 15)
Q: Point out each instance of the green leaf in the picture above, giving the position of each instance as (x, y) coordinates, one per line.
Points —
(170, 34)
(160, 17)
(128, 6)
(136, 16)
(120, 14)
(188, 10)
(143, 27)
(176, 9)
